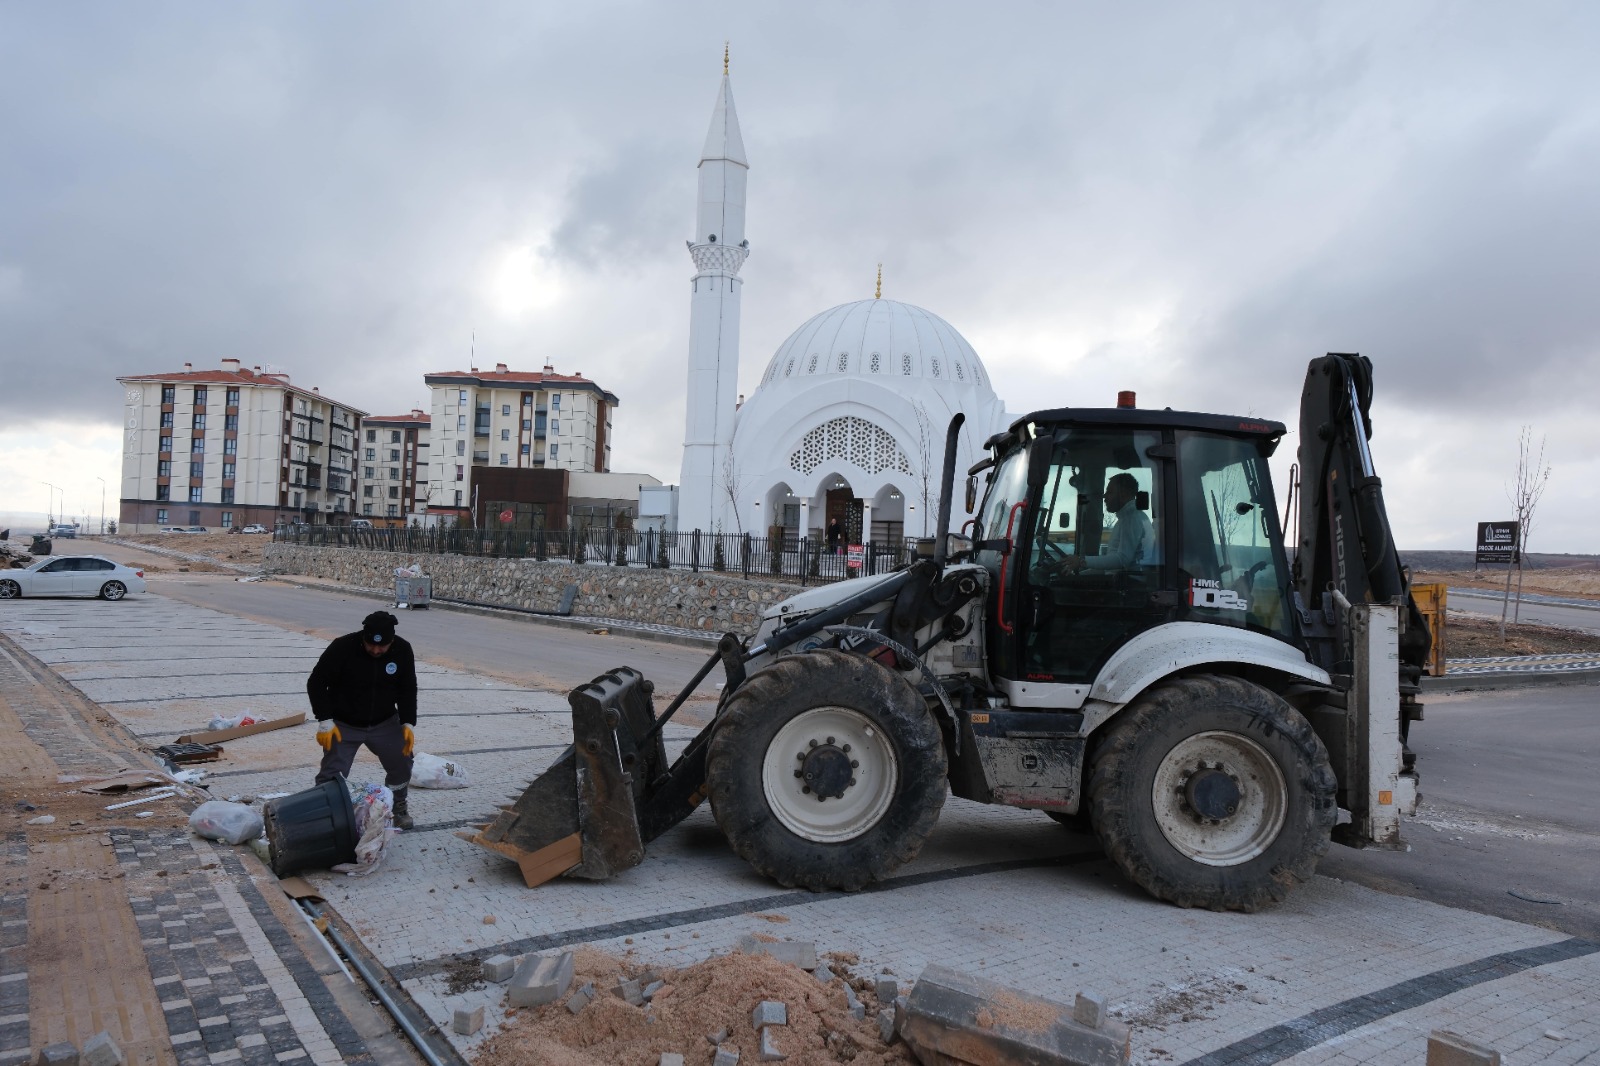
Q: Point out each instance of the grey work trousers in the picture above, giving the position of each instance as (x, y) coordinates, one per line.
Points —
(385, 740)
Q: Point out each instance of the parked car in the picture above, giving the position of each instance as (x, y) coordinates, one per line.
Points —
(72, 575)
(65, 532)
(169, 529)
(191, 529)
(360, 523)
(255, 528)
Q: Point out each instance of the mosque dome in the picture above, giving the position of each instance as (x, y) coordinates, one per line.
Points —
(876, 340)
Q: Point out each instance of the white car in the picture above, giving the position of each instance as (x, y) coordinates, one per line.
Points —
(255, 528)
(72, 575)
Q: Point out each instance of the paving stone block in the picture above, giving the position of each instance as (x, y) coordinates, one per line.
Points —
(101, 1050)
(629, 991)
(1089, 1009)
(670, 1058)
(886, 987)
(499, 968)
(953, 1015)
(717, 1037)
(726, 1056)
(62, 1054)
(1452, 1049)
(799, 953)
(467, 1022)
(767, 1049)
(769, 1012)
(886, 1025)
(581, 998)
(823, 973)
(858, 1010)
(649, 991)
(540, 979)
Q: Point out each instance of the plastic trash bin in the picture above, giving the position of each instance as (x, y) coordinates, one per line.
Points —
(413, 592)
(311, 830)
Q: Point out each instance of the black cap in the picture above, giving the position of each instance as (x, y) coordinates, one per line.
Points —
(378, 627)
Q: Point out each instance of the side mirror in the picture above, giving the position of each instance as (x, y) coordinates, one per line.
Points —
(1065, 520)
(972, 493)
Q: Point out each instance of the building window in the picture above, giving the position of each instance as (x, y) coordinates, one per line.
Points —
(199, 421)
(461, 447)
(366, 490)
(194, 494)
(372, 454)
(230, 422)
(525, 449)
(555, 449)
(366, 508)
(166, 419)
(161, 516)
(165, 445)
(505, 459)
(164, 468)
(163, 492)
(297, 499)
(394, 455)
(394, 436)
(461, 474)
(169, 393)
(372, 435)
(230, 447)
(461, 423)
(458, 497)
(227, 517)
(197, 469)
(367, 472)
(463, 398)
(199, 394)
(527, 424)
(505, 410)
(394, 492)
(394, 473)
(227, 497)
(527, 399)
(227, 472)
(505, 434)
(393, 510)
(555, 426)
(197, 444)
(233, 397)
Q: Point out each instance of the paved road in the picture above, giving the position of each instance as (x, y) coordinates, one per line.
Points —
(1480, 601)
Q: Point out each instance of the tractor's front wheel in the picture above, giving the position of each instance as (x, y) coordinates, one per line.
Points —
(826, 771)
(1213, 792)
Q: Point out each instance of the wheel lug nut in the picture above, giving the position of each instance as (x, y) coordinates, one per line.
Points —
(813, 743)
(852, 780)
(830, 740)
(797, 773)
(806, 789)
(801, 756)
(847, 749)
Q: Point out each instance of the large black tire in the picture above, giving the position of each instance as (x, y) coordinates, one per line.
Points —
(829, 713)
(10, 590)
(1165, 767)
(113, 590)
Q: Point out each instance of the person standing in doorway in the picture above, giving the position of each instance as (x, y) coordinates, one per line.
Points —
(364, 692)
(835, 535)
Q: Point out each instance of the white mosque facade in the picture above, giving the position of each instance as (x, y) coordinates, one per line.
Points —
(847, 423)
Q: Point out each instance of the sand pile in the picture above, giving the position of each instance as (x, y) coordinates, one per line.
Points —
(716, 995)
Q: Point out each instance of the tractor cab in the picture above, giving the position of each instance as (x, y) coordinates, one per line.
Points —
(1099, 525)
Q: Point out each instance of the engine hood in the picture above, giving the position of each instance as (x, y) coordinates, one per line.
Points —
(813, 600)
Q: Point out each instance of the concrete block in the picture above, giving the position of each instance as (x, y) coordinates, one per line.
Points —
(823, 974)
(62, 1054)
(467, 1022)
(629, 991)
(1089, 1009)
(858, 1010)
(1452, 1049)
(726, 1056)
(954, 1016)
(769, 1012)
(767, 1050)
(581, 998)
(670, 1058)
(886, 1025)
(540, 979)
(794, 952)
(649, 991)
(101, 1050)
(717, 1037)
(499, 968)
(886, 987)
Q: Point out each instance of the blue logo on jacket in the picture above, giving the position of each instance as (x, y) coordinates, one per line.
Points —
(389, 668)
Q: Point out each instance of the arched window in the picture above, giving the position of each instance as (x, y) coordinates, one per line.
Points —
(905, 363)
(811, 367)
(876, 362)
(844, 362)
(855, 440)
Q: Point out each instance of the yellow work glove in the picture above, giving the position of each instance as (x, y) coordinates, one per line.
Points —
(411, 741)
(327, 735)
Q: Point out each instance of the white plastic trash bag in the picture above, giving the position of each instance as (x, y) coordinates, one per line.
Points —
(231, 823)
(430, 771)
(374, 807)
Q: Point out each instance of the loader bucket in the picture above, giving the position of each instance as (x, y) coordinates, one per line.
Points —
(580, 817)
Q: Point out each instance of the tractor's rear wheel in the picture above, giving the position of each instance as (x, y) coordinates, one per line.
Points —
(826, 771)
(1213, 792)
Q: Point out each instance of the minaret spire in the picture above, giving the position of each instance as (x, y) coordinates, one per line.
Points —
(878, 293)
(718, 249)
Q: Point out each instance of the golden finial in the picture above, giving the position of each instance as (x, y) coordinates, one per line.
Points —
(878, 295)
(724, 59)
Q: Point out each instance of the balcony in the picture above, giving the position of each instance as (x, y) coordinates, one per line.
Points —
(480, 457)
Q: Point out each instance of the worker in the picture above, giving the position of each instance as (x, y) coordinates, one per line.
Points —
(1131, 537)
(364, 691)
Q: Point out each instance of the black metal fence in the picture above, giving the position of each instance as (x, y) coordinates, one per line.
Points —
(805, 560)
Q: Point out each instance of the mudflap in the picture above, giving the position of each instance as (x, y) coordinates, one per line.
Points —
(581, 816)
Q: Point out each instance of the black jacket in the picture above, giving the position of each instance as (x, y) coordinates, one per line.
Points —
(351, 686)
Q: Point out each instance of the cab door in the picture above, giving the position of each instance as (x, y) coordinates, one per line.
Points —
(54, 578)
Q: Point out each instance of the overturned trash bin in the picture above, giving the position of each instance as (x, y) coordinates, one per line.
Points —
(413, 591)
(952, 1017)
(311, 830)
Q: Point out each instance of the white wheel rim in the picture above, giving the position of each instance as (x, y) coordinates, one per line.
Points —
(1262, 807)
(834, 819)
(8, 590)
(113, 591)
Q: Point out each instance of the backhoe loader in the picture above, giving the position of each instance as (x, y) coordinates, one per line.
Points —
(1121, 642)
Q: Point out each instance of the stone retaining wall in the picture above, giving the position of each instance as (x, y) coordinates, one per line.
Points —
(706, 600)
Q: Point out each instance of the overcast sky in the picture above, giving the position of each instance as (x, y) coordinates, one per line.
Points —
(1189, 200)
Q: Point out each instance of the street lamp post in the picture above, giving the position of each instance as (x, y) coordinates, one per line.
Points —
(102, 505)
(50, 518)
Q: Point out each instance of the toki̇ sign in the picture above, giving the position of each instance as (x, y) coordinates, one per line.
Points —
(1497, 542)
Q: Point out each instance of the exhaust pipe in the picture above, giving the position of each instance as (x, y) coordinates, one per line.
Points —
(947, 483)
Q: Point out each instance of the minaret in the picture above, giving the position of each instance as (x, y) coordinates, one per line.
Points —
(718, 250)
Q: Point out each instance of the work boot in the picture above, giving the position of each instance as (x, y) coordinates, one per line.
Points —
(402, 816)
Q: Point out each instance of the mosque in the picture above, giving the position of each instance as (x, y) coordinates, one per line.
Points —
(848, 421)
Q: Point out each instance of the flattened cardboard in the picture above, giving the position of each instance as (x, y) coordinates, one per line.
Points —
(217, 736)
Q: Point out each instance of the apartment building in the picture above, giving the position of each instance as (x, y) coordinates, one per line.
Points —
(512, 419)
(231, 447)
(393, 457)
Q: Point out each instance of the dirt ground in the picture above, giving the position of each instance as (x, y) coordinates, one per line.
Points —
(1469, 637)
(242, 549)
(1575, 582)
(713, 997)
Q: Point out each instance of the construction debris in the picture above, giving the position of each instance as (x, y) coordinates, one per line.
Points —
(60, 1054)
(101, 1050)
(1452, 1049)
(794, 952)
(497, 969)
(540, 979)
(955, 1016)
(468, 1022)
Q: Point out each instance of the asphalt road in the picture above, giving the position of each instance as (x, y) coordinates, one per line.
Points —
(1479, 601)
(1510, 813)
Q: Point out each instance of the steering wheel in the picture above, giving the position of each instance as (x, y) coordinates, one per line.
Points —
(1052, 555)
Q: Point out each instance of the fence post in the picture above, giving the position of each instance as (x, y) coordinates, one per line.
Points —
(694, 552)
(805, 554)
(744, 556)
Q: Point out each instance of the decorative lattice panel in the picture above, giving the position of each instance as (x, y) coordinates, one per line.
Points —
(856, 441)
(876, 363)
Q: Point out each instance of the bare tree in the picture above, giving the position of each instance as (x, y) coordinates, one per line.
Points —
(732, 486)
(924, 474)
(1533, 475)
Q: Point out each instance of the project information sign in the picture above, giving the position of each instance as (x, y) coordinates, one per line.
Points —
(1497, 542)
